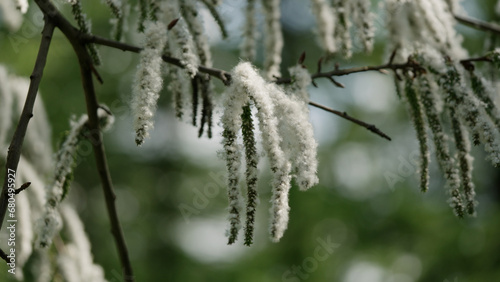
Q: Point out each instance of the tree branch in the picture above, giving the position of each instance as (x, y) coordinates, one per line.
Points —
(86, 69)
(3, 256)
(478, 24)
(16, 144)
(344, 115)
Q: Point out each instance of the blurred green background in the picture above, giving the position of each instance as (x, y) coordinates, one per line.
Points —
(382, 231)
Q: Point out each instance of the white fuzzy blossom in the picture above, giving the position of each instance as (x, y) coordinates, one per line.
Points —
(430, 23)
(38, 136)
(148, 81)
(297, 131)
(10, 16)
(76, 261)
(248, 45)
(181, 42)
(325, 19)
(49, 223)
(342, 10)
(25, 232)
(273, 38)
(363, 20)
(286, 137)
(22, 5)
(190, 12)
(6, 104)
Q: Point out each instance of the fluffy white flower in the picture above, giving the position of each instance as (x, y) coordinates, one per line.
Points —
(287, 135)
(78, 250)
(430, 23)
(195, 24)
(325, 22)
(22, 5)
(342, 9)
(363, 19)
(148, 81)
(248, 45)
(8, 14)
(274, 38)
(184, 47)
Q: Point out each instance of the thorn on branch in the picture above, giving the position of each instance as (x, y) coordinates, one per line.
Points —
(320, 61)
(172, 24)
(393, 55)
(96, 73)
(338, 84)
(302, 58)
(22, 188)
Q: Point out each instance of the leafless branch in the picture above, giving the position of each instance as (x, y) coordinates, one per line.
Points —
(16, 144)
(478, 24)
(87, 69)
(344, 115)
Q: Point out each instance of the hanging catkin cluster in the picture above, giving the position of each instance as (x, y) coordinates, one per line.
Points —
(439, 90)
(287, 138)
(186, 41)
(50, 222)
(38, 212)
(425, 22)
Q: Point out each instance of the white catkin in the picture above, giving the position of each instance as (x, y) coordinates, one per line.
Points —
(363, 19)
(343, 27)
(297, 131)
(184, 48)
(67, 266)
(36, 191)
(325, 22)
(38, 148)
(287, 140)
(41, 266)
(49, 223)
(256, 87)
(425, 22)
(10, 16)
(24, 232)
(195, 24)
(273, 38)
(236, 98)
(22, 5)
(249, 44)
(148, 81)
(78, 248)
(497, 8)
(6, 102)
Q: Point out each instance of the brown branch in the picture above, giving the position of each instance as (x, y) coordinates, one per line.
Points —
(344, 115)
(478, 24)
(22, 188)
(86, 69)
(16, 144)
(3, 256)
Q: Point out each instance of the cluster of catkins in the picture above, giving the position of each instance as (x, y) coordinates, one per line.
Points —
(444, 94)
(40, 212)
(173, 28)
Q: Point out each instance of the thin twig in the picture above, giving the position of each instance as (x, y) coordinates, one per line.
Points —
(478, 24)
(85, 62)
(22, 188)
(3, 256)
(16, 144)
(368, 126)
